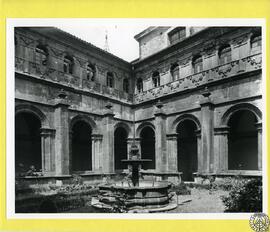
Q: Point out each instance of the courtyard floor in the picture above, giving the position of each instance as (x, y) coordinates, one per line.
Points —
(200, 201)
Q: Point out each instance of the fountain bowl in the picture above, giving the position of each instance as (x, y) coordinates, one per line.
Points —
(148, 196)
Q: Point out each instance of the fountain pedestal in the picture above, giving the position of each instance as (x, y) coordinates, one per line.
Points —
(144, 196)
(135, 162)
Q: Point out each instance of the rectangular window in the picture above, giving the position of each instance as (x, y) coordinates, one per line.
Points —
(177, 35)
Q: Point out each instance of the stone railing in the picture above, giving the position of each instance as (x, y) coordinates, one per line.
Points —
(49, 74)
(233, 68)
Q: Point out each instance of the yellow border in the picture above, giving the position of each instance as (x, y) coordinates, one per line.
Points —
(121, 9)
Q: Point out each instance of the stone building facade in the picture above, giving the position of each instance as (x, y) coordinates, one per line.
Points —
(192, 102)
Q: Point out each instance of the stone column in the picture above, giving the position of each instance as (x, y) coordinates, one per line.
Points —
(108, 140)
(47, 150)
(259, 129)
(199, 153)
(172, 152)
(207, 131)
(97, 157)
(160, 139)
(221, 149)
(62, 156)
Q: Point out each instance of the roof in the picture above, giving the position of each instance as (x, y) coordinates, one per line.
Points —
(144, 33)
(57, 33)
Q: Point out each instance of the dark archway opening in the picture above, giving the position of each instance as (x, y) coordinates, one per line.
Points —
(27, 143)
(187, 158)
(120, 148)
(81, 147)
(243, 141)
(147, 136)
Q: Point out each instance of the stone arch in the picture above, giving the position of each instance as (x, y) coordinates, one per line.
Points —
(29, 120)
(120, 146)
(34, 110)
(242, 106)
(86, 119)
(187, 148)
(143, 125)
(125, 126)
(148, 146)
(184, 117)
(82, 127)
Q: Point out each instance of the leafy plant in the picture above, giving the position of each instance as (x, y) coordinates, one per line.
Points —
(181, 189)
(245, 196)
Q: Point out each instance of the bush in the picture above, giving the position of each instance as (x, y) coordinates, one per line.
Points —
(245, 196)
(181, 189)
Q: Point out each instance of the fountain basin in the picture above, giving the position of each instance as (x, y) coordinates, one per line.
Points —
(147, 196)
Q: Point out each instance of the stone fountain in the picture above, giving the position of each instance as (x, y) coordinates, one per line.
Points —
(135, 195)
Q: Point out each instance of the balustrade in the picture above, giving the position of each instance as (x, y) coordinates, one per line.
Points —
(45, 72)
(220, 72)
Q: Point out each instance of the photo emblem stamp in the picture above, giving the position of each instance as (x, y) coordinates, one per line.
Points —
(259, 222)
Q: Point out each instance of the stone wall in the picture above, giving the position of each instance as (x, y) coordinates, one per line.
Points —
(208, 98)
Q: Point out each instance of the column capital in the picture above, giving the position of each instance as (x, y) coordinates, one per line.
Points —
(130, 140)
(96, 137)
(198, 133)
(258, 126)
(172, 136)
(44, 131)
(222, 130)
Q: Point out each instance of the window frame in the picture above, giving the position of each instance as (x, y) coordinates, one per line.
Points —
(110, 80)
(68, 64)
(223, 56)
(92, 68)
(156, 79)
(41, 54)
(197, 60)
(255, 39)
(175, 68)
(126, 85)
(139, 85)
(179, 33)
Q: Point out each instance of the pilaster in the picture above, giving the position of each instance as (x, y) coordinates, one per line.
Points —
(172, 152)
(207, 131)
(97, 156)
(259, 131)
(160, 143)
(108, 139)
(199, 153)
(221, 149)
(62, 155)
(47, 149)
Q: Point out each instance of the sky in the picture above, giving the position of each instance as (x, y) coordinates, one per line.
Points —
(120, 38)
(121, 32)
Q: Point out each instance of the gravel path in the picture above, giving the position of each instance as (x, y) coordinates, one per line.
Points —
(201, 201)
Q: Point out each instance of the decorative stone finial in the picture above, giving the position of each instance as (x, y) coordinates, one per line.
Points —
(206, 92)
(159, 104)
(62, 94)
(108, 106)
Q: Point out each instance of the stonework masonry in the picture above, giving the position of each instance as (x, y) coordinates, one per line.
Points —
(203, 116)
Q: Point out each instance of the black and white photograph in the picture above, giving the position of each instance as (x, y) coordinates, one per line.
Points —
(115, 118)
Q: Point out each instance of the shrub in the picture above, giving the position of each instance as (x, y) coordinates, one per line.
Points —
(181, 189)
(245, 196)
